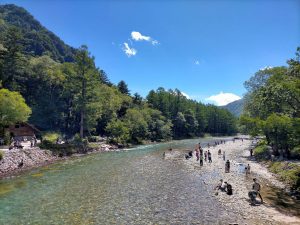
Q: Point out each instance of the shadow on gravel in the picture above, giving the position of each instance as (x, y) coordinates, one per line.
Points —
(280, 200)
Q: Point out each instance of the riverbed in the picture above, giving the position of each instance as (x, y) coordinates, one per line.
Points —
(134, 186)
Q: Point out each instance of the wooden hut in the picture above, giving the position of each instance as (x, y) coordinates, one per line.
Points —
(23, 131)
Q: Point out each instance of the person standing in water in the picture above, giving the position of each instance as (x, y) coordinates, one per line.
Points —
(247, 169)
(209, 156)
(197, 154)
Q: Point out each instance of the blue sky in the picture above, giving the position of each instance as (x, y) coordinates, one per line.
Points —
(203, 48)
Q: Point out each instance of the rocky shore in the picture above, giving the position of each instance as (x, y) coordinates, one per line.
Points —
(238, 154)
(17, 160)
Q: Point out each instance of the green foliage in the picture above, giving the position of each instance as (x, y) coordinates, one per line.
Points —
(123, 88)
(118, 132)
(288, 172)
(1, 155)
(262, 152)
(51, 137)
(190, 118)
(13, 108)
(274, 99)
(249, 125)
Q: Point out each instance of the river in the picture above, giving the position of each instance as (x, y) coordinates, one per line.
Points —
(135, 186)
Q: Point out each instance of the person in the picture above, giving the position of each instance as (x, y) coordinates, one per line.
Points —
(201, 159)
(205, 156)
(227, 166)
(189, 155)
(31, 143)
(197, 154)
(219, 152)
(209, 156)
(256, 188)
(170, 149)
(221, 186)
(228, 188)
(251, 152)
(164, 155)
(224, 155)
(247, 169)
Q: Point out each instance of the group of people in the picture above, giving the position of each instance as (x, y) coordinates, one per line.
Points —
(200, 155)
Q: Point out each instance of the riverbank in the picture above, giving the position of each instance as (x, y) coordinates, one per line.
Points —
(271, 212)
(16, 161)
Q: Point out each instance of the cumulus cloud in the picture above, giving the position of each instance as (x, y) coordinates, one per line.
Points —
(137, 36)
(197, 62)
(129, 51)
(223, 98)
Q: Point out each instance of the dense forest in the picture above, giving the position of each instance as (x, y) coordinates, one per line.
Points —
(60, 89)
(272, 107)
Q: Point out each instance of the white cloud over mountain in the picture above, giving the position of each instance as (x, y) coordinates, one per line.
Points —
(129, 51)
(223, 98)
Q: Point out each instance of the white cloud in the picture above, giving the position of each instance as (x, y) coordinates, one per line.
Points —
(197, 62)
(137, 36)
(185, 95)
(154, 42)
(129, 51)
(223, 98)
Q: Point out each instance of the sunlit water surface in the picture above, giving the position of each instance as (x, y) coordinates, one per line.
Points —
(127, 187)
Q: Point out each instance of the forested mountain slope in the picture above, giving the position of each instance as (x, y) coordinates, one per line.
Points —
(236, 107)
(36, 39)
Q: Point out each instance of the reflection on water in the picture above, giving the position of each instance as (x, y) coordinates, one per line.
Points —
(135, 186)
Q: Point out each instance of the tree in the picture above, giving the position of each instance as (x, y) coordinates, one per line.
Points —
(13, 108)
(87, 80)
(118, 132)
(12, 60)
(123, 88)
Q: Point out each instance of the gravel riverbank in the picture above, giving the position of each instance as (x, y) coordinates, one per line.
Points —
(16, 161)
(238, 154)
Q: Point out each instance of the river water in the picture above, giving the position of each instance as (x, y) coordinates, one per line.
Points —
(128, 187)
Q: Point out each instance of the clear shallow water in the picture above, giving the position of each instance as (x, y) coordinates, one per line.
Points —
(127, 187)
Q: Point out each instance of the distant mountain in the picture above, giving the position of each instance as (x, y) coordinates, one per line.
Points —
(37, 40)
(236, 107)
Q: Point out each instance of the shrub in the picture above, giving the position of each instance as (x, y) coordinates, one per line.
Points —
(51, 137)
(262, 151)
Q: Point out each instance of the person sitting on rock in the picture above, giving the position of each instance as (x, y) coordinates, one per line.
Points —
(221, 186)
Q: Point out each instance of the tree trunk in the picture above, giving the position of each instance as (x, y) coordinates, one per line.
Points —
(81, 123)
